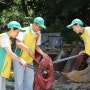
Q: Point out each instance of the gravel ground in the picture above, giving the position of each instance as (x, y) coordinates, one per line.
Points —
(69, 85)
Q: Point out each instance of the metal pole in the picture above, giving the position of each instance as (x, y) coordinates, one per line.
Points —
(65, 59)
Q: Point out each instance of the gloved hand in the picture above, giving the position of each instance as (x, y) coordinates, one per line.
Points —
(81, 53)
(22, 62)
(45, 55)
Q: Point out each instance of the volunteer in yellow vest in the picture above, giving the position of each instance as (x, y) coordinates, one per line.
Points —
(78, 26)
(31, 39)
(6, 53)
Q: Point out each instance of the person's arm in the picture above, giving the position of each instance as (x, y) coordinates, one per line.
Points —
(4, 41)
(14, 56)
(38, 43)
(11, 54)
(38, 49)
(22, 46)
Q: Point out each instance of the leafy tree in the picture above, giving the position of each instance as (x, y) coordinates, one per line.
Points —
(57, 14)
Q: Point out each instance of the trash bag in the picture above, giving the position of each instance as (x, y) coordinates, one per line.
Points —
(44, 77)
(38, 56)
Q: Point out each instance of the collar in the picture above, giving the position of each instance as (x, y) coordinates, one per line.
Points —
(31, 30)
(83, 29)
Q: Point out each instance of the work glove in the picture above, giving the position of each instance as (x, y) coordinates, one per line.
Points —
(80, 54)
(22, 62)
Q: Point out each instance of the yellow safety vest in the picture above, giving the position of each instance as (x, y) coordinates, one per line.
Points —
(86, 39)
(5, 60)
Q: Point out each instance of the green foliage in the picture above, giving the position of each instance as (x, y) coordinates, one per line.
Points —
(17, 1)
(57, 14)
(14, 12)
(11, 14)
(60, 26)
(11, 78)
(56, 26)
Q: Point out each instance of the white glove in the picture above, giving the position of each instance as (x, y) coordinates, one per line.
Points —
(22, 62)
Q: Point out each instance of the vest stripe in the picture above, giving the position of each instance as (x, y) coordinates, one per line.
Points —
(5, 61)
(86, 39)
(2, 58)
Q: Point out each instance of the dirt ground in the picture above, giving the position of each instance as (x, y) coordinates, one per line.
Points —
(69, 85)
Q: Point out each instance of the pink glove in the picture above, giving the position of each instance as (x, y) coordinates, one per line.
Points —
(22, 62)
(81, 53)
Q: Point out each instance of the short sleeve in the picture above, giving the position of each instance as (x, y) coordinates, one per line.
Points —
(4, 41)
(88, 33)
(21, 36)
(39, 40)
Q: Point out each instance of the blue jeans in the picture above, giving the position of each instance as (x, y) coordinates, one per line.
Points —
(24, 76)
(2, 83)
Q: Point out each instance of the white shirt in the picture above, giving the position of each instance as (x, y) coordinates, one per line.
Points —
(88, 33)
(4, 41)
(21, 35)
